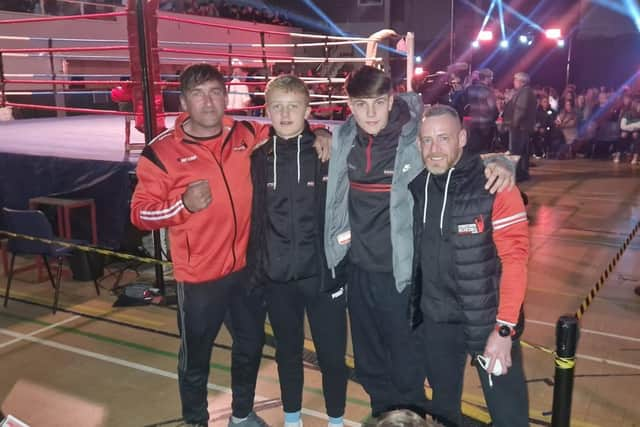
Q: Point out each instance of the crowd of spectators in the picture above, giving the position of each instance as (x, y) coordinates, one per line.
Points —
(211, 8)
(226, 9)
(597, 122)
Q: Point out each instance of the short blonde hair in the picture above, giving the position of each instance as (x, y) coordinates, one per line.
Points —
(288, 83)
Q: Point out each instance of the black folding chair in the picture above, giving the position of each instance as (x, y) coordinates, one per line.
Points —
(34, 223)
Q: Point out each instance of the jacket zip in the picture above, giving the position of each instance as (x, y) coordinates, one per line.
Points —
(294, 241)
(368, 154)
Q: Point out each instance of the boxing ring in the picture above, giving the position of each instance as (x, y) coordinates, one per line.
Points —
(85, 145)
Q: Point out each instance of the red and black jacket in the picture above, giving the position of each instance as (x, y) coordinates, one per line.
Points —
(211, 243)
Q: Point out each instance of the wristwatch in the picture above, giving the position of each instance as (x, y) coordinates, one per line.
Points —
(505, 330)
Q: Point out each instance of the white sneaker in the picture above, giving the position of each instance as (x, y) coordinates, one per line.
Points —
(298, 424)
(634, 160)
(616, 157)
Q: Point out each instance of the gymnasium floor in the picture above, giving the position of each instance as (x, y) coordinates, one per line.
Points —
(71, 370)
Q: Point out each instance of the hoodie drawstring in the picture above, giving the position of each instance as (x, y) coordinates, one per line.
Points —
(275, 160)
(426, 199)
(444, 203)
(275, 167)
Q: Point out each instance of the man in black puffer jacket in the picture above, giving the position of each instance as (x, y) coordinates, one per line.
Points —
(472, 247)
(286, 252)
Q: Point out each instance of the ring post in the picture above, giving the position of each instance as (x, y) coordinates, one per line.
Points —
(149, 128)
(58, 99)
(566, 343)
(3, 98)
(411, 40)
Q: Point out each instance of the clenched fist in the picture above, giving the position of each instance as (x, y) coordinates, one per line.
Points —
(197, 196)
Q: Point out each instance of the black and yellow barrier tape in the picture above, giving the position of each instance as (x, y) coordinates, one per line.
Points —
(565, 362)
(107, 252)
(85, 248)
(605, 274)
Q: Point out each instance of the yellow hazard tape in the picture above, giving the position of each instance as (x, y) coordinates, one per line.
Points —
(605, 274)
(85, 248)
(537, 347)
(565, 362)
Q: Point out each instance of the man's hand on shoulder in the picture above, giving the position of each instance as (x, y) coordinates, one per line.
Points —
(500, 172)
(322, 143)
(197, 196)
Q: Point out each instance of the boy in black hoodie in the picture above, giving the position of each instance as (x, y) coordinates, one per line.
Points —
(286, 251)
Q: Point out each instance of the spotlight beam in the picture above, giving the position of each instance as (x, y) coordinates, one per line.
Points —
(493, 54)
(487, 16)
(311, 5)
(523, 18)
(612, 99)
(634, 12)
(501, 13)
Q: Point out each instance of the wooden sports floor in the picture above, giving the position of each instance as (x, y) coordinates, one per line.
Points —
(76, 369)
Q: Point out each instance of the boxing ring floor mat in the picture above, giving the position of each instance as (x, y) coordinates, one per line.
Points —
(580, 211)
(77, 137)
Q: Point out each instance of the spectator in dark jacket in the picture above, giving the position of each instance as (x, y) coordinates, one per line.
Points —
(478, 107)
(520, 117)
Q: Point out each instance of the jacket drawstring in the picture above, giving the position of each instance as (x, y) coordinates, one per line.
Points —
(426, 199)
(444, 203)
(275, 167)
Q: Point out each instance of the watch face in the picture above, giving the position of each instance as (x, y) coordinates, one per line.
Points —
(504, 331)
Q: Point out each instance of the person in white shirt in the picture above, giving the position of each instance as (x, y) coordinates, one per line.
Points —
(238, 93)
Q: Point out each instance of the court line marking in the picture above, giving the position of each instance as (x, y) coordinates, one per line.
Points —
(139, 367)
(608, 361)
(609, 299)
(471, 404)
(108, 313)
(145, 349)
(588, 331)
(52, 326)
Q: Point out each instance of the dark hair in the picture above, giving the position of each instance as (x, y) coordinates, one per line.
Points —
(485, 74)
(402, 418)
(440, 110)
(368, 82)
(197, 74)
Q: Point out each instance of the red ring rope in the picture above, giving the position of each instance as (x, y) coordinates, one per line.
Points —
(69, 82)
(64, 49)
(225, 54)
(62, 18)
(70, 109)
(209, 24)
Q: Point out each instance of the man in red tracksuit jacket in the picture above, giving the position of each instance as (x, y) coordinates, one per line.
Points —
(195, 180)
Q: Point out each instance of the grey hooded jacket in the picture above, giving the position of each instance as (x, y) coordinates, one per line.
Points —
(408, 164)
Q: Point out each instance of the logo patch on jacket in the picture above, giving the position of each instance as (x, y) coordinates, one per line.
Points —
(241, 147)
(311, 184)
(187, 159)
(387, 172)
(344, 238)
(476, 228)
